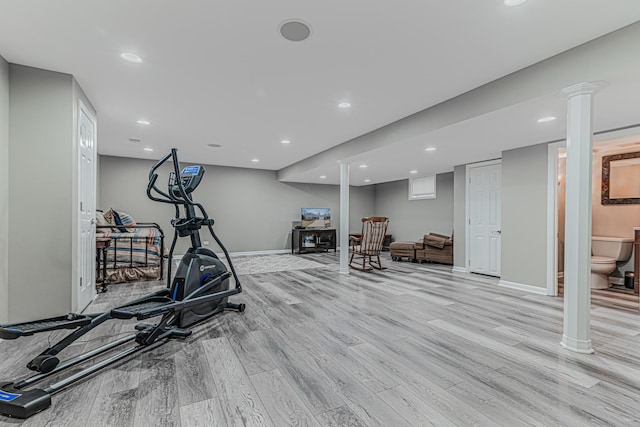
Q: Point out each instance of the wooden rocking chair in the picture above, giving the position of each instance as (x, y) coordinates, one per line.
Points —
(369, 244)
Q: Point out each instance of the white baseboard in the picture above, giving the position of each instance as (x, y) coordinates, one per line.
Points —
(457, 269)
(523, 287)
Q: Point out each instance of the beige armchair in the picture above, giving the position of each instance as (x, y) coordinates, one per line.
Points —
(435, 248)
(369, 244)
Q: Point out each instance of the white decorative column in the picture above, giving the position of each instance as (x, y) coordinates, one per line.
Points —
(577, 259)
(344, 217)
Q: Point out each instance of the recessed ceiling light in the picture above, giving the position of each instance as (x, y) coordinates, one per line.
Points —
(363, 166)
(214, 145)
(546, 119)
(414, 171)
(513, 2)
(562, 155)
(255, 160)
(344, 105)
(148, 149)
(285, 141)
(430, 149)
(295, 30)
(131, 57)
(323, 177)
(367, 180)
(134, 139)
(144, 122)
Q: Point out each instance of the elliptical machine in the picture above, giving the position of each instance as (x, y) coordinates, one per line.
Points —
(199, 290)
(200, 271)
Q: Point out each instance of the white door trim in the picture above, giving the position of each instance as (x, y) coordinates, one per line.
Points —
(466, 207)
(552, 217)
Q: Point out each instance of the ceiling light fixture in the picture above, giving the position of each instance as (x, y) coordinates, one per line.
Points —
(144, 122)
(413, 171)
(363, 166)
(344, 105)
(134, 139)
(546, 119)
(562, 155)
(430, 149)
(323, 177)
(255, 160)
(367, 180)
(148, 149)
(214, 145)
(285, 141)
(513, 2)
(295, 30)
(131, 57)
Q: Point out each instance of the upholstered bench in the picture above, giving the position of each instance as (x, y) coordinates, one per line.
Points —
(402, 249)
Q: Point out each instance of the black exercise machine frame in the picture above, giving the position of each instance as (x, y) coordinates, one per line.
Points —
(20, 403)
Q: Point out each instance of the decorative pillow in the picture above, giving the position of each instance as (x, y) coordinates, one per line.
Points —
(127, 220)
(110, 217)
(100, 220)
(124, 220)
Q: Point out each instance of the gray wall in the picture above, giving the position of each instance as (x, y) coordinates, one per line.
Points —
(524, 215)
(252, 210)
(4, 189)
(410, 220)
(40, 202)
(459, 215)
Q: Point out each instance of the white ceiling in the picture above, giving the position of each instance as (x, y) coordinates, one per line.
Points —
(217, 72)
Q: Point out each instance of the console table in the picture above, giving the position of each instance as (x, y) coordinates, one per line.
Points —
(305, 240)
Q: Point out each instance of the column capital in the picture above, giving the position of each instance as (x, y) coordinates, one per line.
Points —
(345, 162)
(583, 88)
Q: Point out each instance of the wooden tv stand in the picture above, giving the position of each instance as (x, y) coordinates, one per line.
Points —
(305, 240)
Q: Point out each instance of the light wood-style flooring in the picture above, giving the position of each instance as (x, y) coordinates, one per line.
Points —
(413, 345)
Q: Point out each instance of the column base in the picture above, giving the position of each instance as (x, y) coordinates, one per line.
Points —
(341, 271)
(578, 346)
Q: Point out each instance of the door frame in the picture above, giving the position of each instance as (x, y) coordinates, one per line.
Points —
(467, 245)
(552, 199)
(552, 217)
(82, 108)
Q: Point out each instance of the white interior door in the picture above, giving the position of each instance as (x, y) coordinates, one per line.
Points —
(87, 205)
(484, 220)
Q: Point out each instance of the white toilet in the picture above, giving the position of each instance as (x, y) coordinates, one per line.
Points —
(606, 252)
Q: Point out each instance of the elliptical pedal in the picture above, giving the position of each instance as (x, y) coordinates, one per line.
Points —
(17, 330)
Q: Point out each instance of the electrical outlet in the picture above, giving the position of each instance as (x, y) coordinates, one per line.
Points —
(206, 242)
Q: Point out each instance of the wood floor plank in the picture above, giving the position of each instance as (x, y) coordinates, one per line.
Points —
(413, 409)
(238, 399)
(281, 401)
(366, 404)
(204, 413)
(311, 385)
(567, 373)
(194, 380)
(341, 417)
(437, 397)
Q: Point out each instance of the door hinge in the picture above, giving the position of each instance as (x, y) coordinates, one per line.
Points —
(81, 282)
(80, 206)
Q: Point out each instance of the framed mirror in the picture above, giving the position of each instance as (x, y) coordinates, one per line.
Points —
(621, 179)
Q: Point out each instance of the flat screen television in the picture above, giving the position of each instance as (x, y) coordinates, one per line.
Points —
(316, 217)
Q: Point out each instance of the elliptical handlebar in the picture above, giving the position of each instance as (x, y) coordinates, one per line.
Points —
(183, 198)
